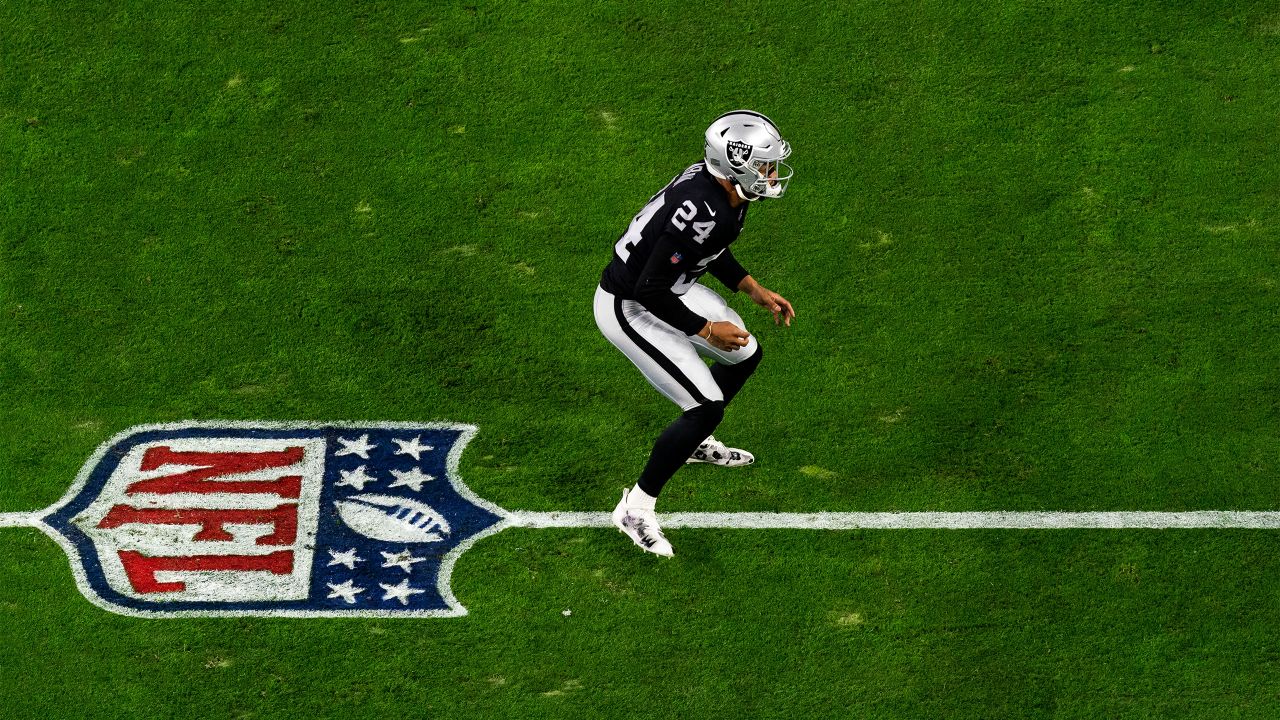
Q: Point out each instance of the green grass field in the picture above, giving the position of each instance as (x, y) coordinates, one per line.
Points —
(1033, 251)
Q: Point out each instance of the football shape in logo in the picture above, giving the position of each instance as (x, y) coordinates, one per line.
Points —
(392, 519)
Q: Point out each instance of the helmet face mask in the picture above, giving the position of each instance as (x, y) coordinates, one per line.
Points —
(773, 175)
(746, 148)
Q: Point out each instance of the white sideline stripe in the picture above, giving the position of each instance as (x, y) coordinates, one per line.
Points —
(998, 520)
(19, 519)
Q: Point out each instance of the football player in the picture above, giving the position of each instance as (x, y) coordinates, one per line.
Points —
(652, 308)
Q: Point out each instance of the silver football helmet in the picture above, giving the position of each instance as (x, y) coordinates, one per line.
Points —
(746, 148)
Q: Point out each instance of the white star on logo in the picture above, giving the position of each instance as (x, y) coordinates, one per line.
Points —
(355, 478)
(347, 591)
(410, 478)
(348, 558)
(360, 446)
(411, 447)
(403, 560)
(400, 592)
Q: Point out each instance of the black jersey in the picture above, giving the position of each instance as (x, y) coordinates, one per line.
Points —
(684, 232)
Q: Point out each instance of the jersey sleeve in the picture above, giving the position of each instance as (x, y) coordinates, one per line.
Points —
(728, 270)
(669, 260)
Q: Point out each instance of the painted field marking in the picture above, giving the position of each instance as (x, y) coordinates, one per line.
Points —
(994, 520)
(363, 519)
(990, 520)
(19, 519)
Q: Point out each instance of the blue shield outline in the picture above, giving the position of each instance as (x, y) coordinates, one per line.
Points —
(55, 520)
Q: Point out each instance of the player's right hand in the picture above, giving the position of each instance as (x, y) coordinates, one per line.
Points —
(727, 336)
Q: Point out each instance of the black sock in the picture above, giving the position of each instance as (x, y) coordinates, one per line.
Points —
(676, 443)
(731, 378)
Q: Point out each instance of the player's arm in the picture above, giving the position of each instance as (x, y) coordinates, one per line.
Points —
(653, 291)
(768, 299)
(659, 275)
(728, 270)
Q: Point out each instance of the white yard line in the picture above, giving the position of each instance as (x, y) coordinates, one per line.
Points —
(995, 520)
(18, 519)
(998, 520)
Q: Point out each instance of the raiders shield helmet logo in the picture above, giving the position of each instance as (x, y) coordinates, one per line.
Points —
(739, 153)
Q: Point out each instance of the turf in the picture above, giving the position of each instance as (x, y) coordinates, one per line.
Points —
(1033, 252)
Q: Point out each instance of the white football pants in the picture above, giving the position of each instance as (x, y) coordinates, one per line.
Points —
(668, 358)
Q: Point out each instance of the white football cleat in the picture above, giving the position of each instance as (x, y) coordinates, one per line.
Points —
(642, 527)
(713, 451)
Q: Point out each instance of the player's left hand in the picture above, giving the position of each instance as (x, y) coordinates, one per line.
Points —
(774, 303)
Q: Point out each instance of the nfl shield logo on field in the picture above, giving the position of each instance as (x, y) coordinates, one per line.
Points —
(274, 519)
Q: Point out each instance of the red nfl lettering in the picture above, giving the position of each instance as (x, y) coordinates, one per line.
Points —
(142, 569)
(231, 477)
(212, 522)
(218, 464)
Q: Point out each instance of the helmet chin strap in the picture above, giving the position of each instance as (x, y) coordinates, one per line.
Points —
(749, 198)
